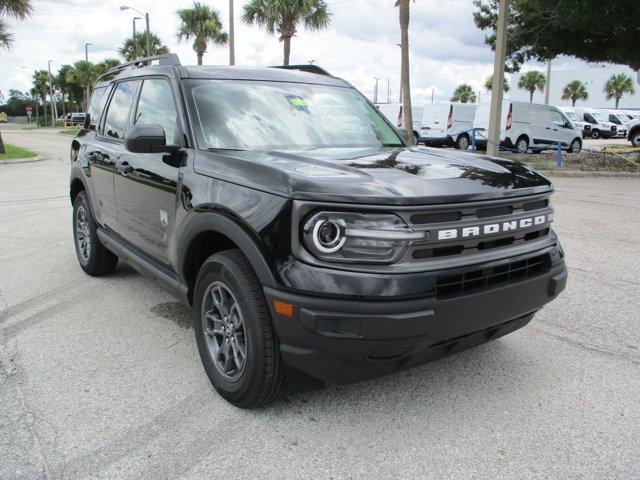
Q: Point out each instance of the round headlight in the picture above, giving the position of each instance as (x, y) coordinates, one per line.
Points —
(328, 236)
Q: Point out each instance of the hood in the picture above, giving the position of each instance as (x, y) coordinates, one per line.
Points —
(400, 176)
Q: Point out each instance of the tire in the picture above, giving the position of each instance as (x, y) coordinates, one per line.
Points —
(522, 144)
(416, 137)
(595, 134)
(240, 323)
(462, 142)
(635, 138)
(575, 146)
(93, 257)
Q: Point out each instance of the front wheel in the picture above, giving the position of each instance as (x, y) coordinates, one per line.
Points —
(575, 146)
(93, 257)
(234, 332)
(595, 134)
(635, 139)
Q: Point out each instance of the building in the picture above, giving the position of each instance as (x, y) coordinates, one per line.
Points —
(594, 76)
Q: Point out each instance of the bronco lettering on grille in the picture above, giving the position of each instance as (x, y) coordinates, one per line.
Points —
(493, 228)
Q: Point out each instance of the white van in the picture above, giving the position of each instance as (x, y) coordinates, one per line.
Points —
(393, 112)
(573, 116)
(529, 126)
(620, 120)
(601, 127)
(632, 115)
(447, 123)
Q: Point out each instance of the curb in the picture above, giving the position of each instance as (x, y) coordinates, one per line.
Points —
(588, 174)
(37, 158)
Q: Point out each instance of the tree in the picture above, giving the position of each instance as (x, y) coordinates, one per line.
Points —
(61, 83)
(133, 47)
(488, 84)
(464, 94)
(203, 24)
(41, 89)
(84, 75)
(617, 86)
(405, 72)
(543, 29)
(574, 91)
(105, 65)
(284, 16)
(19, 9)
(532, 81)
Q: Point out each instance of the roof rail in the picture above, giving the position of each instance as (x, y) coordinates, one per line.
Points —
(306, 68)
(170, 59)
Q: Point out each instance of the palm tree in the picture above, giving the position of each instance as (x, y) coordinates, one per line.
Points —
(464, 94)
(532, 81)
(41, 89)
(19, 9)
(405, 80)
(283, 17)
(488, 84)
(83, 74)
(574, 91)
(133, 47)
(105, 65)
(203, 24)
(617, 86)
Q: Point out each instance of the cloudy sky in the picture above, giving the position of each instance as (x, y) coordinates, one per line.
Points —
(360, 44)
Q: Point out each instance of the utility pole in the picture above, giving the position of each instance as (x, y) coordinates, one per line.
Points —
(433, 91)
(146, 18)
(498, 80)
(388, 90)
(548, 84)
(54, 113)
(232, 41)
(86, 51)
(375, 92)
(134, 26)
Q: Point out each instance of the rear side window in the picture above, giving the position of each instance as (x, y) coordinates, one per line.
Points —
(96, 106)
(118, 113)
(156, 107)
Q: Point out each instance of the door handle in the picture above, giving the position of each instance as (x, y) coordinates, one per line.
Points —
(548, 128)
(125, 168)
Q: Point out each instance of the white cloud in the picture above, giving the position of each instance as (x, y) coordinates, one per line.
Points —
(446, 47)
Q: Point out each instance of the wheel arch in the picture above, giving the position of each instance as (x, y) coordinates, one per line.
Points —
(211, 232)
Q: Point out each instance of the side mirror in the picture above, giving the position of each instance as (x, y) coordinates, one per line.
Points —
(147, 139)
(404, 134)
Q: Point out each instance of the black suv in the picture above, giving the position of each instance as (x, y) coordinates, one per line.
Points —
(312, 243)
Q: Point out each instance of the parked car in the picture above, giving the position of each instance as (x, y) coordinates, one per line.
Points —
(309, 254)
(621, 121)
(3, 117)
(601, 127)
(576, 120)
(634, 134)
(529, 126)
(393, 113)
(448, 124)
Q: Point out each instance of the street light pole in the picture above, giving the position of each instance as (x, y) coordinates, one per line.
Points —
(232, 44)
(86, 51)
(146, 18)
(375, 92)
(493, 143)
(547, 90)
(134, 26)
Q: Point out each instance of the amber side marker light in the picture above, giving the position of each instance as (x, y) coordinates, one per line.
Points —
(283, 308)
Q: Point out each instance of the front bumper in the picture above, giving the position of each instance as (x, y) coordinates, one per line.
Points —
(346, 340)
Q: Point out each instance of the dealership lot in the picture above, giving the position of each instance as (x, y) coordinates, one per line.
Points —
(100, 378)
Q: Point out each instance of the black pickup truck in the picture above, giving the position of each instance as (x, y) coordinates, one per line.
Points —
(312, 243)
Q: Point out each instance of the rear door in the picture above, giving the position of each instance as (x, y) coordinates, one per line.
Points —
(434, 121)
(145, 184)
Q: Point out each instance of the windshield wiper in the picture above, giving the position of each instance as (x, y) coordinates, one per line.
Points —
(392, 145)
(222, 149)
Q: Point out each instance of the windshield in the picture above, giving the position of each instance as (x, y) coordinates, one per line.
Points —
(250, 115)
(572, 116)
(599, 117)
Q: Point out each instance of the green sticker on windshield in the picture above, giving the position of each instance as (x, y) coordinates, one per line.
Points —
(300, 102)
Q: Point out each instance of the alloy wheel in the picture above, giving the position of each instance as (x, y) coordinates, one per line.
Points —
(224, 329)
(83, 237)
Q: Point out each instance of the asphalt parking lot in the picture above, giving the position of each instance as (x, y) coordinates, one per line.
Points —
(100, 378)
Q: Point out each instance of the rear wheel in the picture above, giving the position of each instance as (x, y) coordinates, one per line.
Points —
(462, 142)
(522, 144)
(575, 146)
(234, 332)
(635, 139)
(94, 258)
(416, 137)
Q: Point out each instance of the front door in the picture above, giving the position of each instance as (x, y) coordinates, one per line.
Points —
(562, 128)
(145, 185)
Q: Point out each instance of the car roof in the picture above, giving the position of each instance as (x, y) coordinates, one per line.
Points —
(273, 74)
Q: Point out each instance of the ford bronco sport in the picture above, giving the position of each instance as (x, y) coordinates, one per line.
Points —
(313, 245)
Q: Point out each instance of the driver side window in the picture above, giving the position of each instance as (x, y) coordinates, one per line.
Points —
(558, 120)
(156, 107)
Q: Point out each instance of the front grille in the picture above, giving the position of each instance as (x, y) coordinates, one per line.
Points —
(448, 286)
